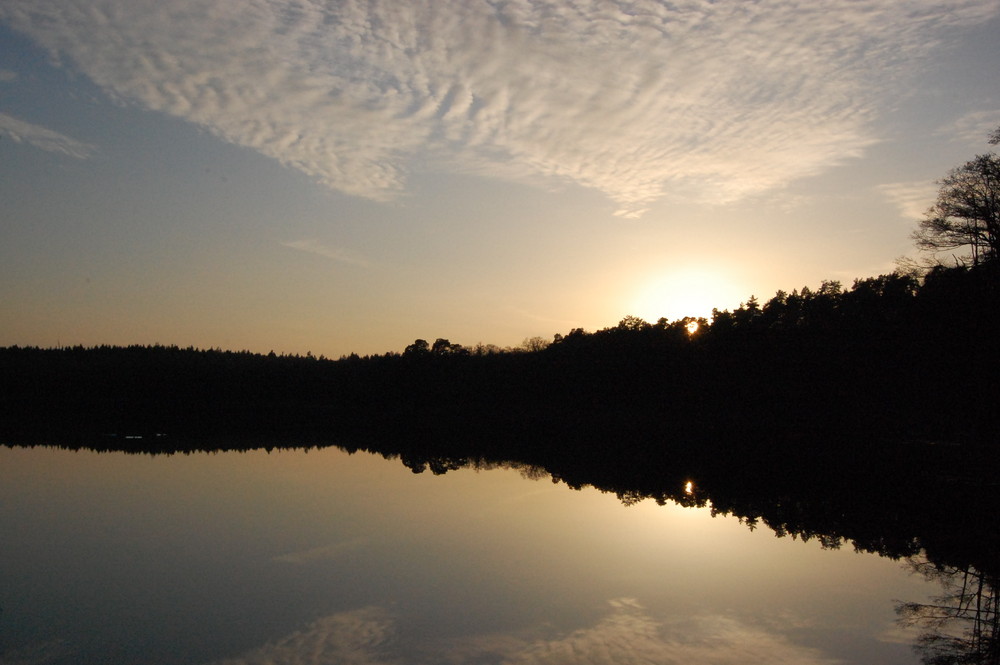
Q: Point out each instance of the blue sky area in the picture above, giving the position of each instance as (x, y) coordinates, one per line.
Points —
(347, 176)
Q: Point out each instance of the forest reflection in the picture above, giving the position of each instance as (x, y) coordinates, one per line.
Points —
(934, 507)
(962, 624)
(893, 498)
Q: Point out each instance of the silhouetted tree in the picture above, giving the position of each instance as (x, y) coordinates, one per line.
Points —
(723, 321)
(966, 214)
(481, 349)
(419, 347)
(632, 323)
(443, 347)
(534, 344)
(747, 312)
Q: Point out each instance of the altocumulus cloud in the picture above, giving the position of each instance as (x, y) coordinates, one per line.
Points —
(637, 99)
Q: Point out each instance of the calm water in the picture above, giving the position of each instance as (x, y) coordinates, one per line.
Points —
(324, 557)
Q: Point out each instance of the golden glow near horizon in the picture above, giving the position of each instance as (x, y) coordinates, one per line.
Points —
(279, 178)
(685, 292)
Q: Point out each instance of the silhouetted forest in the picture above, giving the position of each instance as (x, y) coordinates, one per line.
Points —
(884, 393)
(886, 358)
(865, 415)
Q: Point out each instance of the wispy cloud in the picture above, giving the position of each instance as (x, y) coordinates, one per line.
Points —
(40, 137)
(336, 253)
(638, 99)
(911, 198)
(974, 128)
(6, 76)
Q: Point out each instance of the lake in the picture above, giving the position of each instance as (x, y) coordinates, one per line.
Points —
(320, 556)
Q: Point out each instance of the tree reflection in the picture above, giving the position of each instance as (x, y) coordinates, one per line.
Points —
(962, 625)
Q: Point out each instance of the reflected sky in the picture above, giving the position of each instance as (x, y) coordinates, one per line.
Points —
(325, 557)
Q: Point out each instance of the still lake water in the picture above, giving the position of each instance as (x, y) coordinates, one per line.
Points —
(324, 557)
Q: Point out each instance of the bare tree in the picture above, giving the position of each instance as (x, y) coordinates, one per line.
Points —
(534, 344)
(966, 215)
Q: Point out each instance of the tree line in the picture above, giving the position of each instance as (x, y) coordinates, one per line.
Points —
(863, 414)
(907, 354)
(890, 354)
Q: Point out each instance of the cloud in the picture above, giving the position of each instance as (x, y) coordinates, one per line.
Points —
(6, 76)
(315, 247)
(321, 553)
(627, 635)
(973, 128)
(45, 139)
(911, 198)
(639, 99)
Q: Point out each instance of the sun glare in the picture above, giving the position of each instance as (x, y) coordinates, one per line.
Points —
(685, 292)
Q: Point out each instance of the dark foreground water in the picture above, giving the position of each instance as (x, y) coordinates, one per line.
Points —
(323, 557)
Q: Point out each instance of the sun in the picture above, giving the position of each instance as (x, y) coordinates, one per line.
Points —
(685, 292)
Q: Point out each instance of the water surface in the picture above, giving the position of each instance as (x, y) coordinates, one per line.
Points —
(325, 557)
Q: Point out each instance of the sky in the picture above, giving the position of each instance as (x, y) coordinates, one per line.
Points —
(347, 176)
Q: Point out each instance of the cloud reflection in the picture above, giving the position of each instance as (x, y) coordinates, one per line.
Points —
(347, 638)
(638, 99)
(628, 635)
(323, 552)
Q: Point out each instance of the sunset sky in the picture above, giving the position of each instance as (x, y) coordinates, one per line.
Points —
(347, 176)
